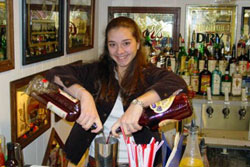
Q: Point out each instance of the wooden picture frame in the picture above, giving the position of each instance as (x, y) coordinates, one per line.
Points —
(54, 155)
(29, 118)
(80, 25)
(160, 18)
(43, 32)
(245, 22)
(7, 36)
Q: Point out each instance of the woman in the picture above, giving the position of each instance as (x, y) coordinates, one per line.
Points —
(114, 90)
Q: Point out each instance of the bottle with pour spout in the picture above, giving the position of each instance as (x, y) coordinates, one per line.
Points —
(192, 155)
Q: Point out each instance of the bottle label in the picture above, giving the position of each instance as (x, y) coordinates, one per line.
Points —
(211, 65)
(163, 105)
(195, 83)
(205, 82)
(232, 68)
(236, 85)
(56, 110)
(242, 67)
(216, 84)
(68, 96)
(225, 85)
(222, 66)
(201, 65)
(186, 79)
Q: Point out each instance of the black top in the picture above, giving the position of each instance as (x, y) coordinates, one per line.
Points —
(162, 81)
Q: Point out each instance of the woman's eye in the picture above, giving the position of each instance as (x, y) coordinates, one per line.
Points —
(111, 45)
(126, 43)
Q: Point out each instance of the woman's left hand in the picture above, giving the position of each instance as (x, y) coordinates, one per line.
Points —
(129, 120)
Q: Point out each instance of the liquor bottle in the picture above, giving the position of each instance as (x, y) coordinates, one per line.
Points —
(192, 156)
(204, 80)
(242, 60)
(168, 63)
(173, 63)
(211, 62)
(217, 47)
(222, 62)
(2, 160)
(11, 161)
(54, 98)
(226, 81)
(216, 82)
(232, 61)
(177, 106)
(236, 83)
(201, 58)
(182, 57)
(194, 81)
(185, 74)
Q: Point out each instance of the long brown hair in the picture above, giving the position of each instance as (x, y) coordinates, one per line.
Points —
(133, 78)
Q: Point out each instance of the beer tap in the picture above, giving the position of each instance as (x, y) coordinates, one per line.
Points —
(226, 110)
(210, 109)
(243, 108)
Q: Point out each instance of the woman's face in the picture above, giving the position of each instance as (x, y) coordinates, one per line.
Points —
(122, 46)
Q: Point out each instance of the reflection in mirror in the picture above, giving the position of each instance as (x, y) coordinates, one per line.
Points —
(246, 22)
(6, 35)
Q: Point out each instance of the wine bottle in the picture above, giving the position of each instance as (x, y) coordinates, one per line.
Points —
(55, 99)
(11, 161)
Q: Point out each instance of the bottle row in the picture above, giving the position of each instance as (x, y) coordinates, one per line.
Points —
(42, 50)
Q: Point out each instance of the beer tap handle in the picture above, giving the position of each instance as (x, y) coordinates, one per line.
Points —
(226, 110)
(210, 109)
(243, 111)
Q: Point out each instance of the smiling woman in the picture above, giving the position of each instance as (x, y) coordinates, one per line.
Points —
(6, 35)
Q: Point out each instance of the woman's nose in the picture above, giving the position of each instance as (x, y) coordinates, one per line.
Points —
(120, 49)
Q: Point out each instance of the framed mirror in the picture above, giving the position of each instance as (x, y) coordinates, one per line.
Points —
(160, 22)
(42, 30)
(245, 22)
(6, 36)
(80, 25)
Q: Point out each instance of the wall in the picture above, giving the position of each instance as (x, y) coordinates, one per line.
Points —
(34, 152)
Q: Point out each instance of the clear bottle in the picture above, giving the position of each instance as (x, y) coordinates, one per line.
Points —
(54, 98)
(192, 155)
(232, 61)
(216, 81)
(11, 161)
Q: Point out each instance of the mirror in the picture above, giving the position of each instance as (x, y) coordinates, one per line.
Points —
(245, 22)
(6, 35)
(161, 22)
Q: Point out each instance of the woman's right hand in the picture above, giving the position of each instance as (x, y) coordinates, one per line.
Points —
(89, 114)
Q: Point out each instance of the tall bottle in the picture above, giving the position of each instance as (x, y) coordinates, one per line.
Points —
(54, 98)
(242, 61)
(201, 58)
(211, 62)
(182, 57)
(232, 61)
(216, 82)
(205, 78)
(185, 74)
(11, 161)
(226, 81)
(236, 83)
(194, 81)
(222, 62)
(192, 155)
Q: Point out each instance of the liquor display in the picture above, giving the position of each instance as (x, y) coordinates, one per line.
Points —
(209, 65)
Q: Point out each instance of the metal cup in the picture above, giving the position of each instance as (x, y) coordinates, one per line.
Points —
(106, 154)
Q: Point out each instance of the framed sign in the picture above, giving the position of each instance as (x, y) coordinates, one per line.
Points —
(205, 23)
(42, 30)
(54, 155)
(29, 118)
(161, 23)
(7, 36)
(245, 22)
(80, 25)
